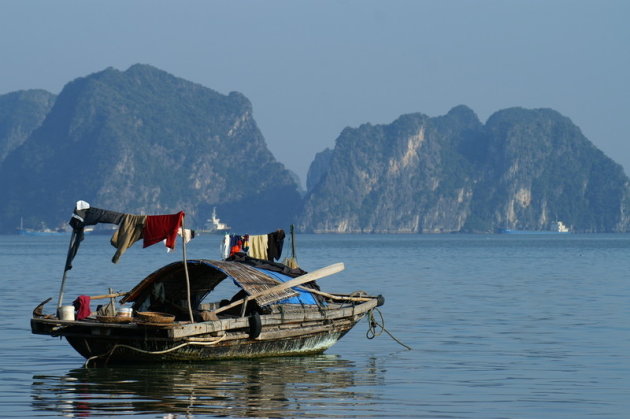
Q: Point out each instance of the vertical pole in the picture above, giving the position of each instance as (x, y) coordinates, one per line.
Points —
(65, 271)
(112, 301)
(63, 283)
(192, 319)
(293, 241)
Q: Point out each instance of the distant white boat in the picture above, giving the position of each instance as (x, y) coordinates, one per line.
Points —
(560, 229)
(43, 231)
(214, 224)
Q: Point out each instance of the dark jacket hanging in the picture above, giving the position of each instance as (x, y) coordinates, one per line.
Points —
(275, 241)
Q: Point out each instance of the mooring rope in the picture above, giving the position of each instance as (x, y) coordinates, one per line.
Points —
(165, 351)
(374, 326)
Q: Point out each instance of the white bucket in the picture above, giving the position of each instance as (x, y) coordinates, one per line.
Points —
(66, 313)
(124, 312)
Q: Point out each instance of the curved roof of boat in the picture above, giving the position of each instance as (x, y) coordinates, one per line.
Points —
(204, 276)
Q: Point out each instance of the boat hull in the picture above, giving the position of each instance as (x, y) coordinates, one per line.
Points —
(278, 334)
(147, 351)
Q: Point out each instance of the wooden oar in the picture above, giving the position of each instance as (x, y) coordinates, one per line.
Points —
(114, 295)
(320, 273)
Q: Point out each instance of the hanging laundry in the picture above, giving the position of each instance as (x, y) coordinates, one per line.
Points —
(160, 227)
(258, 246)
(186, 234)
(234, 243)
(130, 231)
(224, 248)
(85, 215)
(245, 244)
(275, 241)
(93, 216)
(131, 228)
(238, 243)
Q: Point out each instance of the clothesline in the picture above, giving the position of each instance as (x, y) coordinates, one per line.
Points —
(262, 246)
(151, 229)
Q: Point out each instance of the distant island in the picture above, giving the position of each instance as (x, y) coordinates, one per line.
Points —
(522, 170)
(144, 141)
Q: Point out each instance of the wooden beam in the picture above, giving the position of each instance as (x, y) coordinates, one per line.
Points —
(320, 273)
(114, 295)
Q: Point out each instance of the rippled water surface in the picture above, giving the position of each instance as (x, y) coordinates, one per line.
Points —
(500, 326)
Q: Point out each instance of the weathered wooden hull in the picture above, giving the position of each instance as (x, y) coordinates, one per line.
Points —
(197, 351)
(297, 332)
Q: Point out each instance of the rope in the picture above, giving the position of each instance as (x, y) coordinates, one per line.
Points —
(109, 353)
(374, 326)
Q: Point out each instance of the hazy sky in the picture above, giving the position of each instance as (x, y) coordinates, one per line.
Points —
(312, 68)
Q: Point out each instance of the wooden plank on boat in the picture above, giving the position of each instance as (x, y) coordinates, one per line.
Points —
(325, 313)
(186, 330)
(279, 334)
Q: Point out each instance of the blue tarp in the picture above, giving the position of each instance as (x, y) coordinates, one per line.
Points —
(303, 298)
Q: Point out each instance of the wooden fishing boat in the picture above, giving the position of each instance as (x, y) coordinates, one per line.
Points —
(177, 314)
(273, 313)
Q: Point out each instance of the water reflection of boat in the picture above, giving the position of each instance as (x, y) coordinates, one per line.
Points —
(286, 387)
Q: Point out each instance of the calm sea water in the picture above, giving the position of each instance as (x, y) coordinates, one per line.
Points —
(500, 326)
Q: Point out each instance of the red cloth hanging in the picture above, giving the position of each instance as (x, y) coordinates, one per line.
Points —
(162, 227)
(82, 306)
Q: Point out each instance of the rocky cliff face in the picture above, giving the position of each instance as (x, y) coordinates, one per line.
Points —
(409, 176)
(20, 114)
(539, 168)
(318, 168)
(524, 169)
(143, 141)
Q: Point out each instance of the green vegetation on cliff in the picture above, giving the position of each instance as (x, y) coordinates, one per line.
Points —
(523, 169)
(20, 114)
(144, 141)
